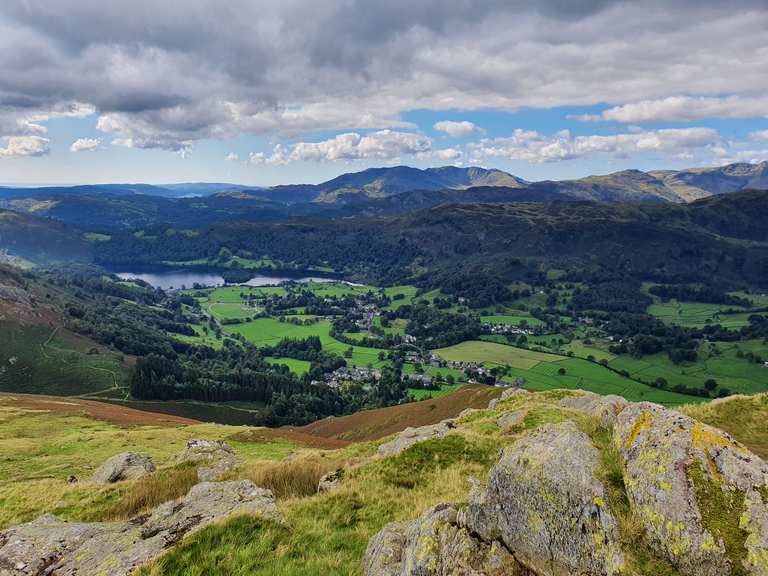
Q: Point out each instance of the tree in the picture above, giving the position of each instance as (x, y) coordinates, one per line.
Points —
(349, 352)
(710, 384)
(561, 371)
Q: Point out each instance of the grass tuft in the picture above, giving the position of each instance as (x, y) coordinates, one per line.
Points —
(288, 479)
(153, 490)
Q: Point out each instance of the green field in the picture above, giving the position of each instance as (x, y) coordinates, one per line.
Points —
(298, 367)
(582, 350)
(445, 389)
(586, 375)
(38, 360)
(494, 354)
(736, 374)
(202, 338)
(698, 314)
(269, 331)
(513, 320)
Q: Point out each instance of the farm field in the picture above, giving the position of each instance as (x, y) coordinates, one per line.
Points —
(494, 354)
(269, 331)
(445, 389)
(512, 320)
(201, 338)
(582, 350)
(698, 314)
(298, 367)
(586, 375)
(737, 374)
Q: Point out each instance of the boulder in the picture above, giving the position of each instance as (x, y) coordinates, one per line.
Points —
(50, 546)
(217, 456)
(468, 411)
(512, 392)
(124, 466)
(411, 436)
(701, 496)
(605, 409)
(544, 502)
(511, 420)
(330, 481)
(434, 544)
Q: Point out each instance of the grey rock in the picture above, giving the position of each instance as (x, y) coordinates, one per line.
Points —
(669, 459)
(545, 504)
(603, 408)
(435, 545)
(512, 392)
(411, 436)
(49, 546)
(492, 404)
(216, 454)
(469, 411)
(123, 466)
(331, 481)
(511, 420)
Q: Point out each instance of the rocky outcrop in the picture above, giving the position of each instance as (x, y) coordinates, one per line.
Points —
(435, 544)
(124, 466)
(51, 546)
(545, 503)
(411, 436)
(511, 420)
(330, 481)
(543, 512)
(216, 456)
(702, 496)
(605, 409)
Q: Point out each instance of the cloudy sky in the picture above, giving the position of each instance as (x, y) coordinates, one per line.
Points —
(266, 92)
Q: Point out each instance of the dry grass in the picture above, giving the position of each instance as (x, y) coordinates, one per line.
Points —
(153, 490)
(743, 417)
(294, 478)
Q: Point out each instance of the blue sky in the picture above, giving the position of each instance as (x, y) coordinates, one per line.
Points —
(260, 93)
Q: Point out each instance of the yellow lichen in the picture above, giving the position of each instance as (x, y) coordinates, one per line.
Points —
(642, 423)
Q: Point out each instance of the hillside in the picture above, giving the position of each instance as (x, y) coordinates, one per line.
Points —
(635, 238)
(41, 240)
(562, 476)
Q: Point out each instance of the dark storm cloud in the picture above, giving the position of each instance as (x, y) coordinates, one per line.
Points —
(165, 74)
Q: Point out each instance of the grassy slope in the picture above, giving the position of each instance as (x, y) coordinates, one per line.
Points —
(46, 361)
(322, 533)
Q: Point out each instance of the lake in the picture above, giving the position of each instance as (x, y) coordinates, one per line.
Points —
(169, 279)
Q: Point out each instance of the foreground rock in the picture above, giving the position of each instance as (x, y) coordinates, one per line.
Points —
(702, 496)
(435, 544)
(216, 455)
(124, 466)
(51, 546)
(411, 436)
(331, 481)
(544, 502)
(544, 513)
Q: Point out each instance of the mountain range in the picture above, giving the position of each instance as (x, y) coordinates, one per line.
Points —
(374, 192)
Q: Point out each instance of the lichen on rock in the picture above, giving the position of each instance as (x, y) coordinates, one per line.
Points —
(696, 490)
(123, 466)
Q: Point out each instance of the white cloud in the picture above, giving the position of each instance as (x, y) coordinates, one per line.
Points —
(25, 146)
(456, 129)
(531, 146)
(232, 157)
(85, 144)
(759, 135)
(443, 154)
(684, 109)
(164, 78)
(381, 145)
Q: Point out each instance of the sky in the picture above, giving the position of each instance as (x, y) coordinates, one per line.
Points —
(263, 92)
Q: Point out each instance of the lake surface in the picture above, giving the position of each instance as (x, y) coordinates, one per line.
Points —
(170, 279)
